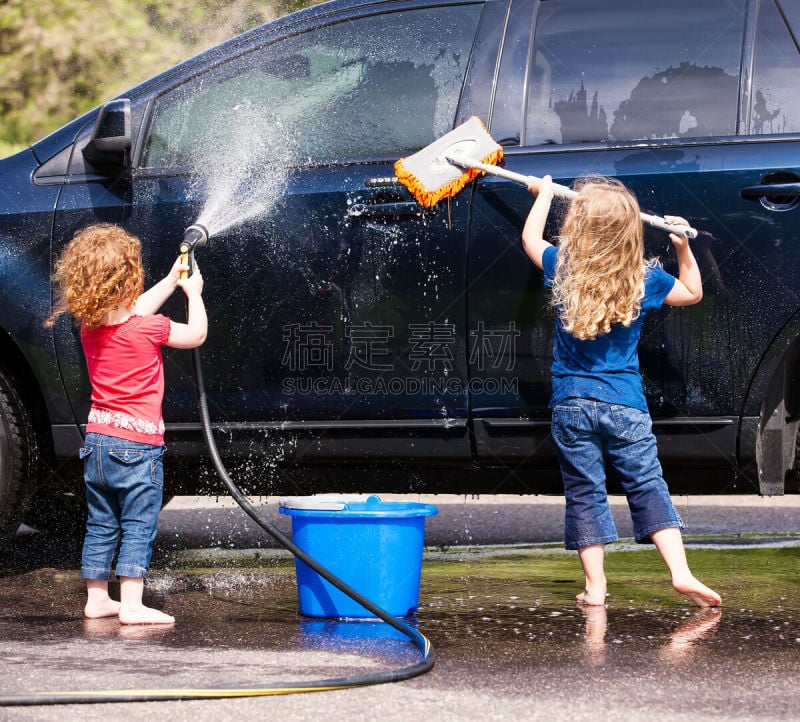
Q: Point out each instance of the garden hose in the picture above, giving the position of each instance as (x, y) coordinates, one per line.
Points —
(164, 695)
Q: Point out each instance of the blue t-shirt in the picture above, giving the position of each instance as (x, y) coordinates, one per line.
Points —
(605, 368)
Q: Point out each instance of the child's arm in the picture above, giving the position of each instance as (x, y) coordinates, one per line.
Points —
(153, 299)
(688, 288)
(532, 240)
(192, 333)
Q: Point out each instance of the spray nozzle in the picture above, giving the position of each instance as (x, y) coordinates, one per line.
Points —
(194, 236)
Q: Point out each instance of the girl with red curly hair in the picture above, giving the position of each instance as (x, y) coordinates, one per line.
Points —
(100, 281)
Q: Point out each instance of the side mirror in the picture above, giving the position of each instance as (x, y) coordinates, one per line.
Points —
(107, 149)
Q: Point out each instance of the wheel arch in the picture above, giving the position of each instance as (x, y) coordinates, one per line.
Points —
(27, 386)
(771, 413)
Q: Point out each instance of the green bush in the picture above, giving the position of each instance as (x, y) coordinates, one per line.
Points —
(60, 58)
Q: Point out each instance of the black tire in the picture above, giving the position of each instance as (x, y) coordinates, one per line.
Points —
(18, 455)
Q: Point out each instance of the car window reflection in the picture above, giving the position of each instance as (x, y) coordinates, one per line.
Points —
(672, 80)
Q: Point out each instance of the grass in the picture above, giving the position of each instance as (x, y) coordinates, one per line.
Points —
(752, 578)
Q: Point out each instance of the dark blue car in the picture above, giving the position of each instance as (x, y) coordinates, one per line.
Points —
(360, 342)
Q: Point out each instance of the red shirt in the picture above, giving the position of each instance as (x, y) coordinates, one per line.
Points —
(127, 376)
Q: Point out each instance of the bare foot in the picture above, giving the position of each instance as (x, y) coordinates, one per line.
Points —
(698, 592)
(97, 609)
(592, 597)
(594, 586)
(144, 615)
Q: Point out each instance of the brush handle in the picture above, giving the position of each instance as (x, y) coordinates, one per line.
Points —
(564, 192)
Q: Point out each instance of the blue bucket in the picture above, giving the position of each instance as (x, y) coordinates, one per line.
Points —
(372, 545)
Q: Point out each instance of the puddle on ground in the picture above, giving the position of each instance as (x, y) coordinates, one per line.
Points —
(521, 604)
(491, 613)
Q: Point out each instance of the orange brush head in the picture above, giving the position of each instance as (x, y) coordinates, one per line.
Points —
(430, 176)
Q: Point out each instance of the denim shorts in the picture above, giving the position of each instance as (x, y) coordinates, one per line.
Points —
(587, 433)
(124, 490)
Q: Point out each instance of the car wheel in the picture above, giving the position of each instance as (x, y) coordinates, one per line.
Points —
(18, 454)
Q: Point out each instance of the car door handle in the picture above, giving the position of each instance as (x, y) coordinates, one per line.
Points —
(384, 210)
(762, 190)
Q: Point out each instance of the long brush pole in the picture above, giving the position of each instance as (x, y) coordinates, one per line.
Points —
(562, 191)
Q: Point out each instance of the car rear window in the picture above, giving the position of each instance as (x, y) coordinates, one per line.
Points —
(632, 70)
(385, 84)
(775, 102)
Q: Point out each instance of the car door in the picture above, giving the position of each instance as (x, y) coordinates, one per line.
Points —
(336, 304)
(651, 95)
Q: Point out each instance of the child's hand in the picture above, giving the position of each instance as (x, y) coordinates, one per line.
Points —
(178, 267)
(678, 239)
(192, 284)
(542, 187)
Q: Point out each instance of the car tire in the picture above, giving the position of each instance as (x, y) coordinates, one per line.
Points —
(18, 456)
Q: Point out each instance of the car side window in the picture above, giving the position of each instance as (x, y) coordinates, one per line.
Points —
(775, 104)
(631, 70)
(382, 84)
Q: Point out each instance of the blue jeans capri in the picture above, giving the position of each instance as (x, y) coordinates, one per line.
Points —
(124, 490)
(586, 433)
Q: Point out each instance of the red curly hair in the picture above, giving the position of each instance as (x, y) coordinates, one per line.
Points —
(99, 270)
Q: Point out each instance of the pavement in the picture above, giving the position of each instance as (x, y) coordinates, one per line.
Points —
(191, 521)
(506, 647)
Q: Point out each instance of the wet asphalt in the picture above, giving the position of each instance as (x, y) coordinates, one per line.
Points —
(496, 600)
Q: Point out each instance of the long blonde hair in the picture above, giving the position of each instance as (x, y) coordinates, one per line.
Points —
(599, 276)
(99, 270)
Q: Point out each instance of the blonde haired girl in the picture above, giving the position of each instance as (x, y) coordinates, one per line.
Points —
(100, 282)
(599, 277)
(601, 290)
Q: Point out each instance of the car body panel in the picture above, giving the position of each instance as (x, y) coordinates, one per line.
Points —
(349, 325)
